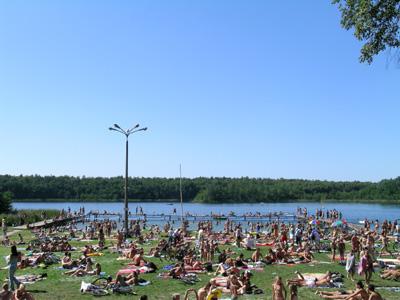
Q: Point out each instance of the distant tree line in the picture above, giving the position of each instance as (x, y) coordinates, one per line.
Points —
(201, 189)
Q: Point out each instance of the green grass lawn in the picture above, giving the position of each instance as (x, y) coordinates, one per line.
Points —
(60, 286)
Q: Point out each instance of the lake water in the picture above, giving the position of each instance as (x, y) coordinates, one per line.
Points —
(353, 212)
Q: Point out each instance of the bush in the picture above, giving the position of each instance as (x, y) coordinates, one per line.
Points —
(22, 217)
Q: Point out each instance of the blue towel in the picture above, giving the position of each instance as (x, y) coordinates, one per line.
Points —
(168, 267)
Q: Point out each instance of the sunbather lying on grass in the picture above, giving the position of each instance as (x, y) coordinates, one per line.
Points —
(358, 294)
(312, 281)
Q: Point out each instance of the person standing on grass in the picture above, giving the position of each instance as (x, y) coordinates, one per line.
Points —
(333, 247)
(385, 244)
(4, 227)
(342, 249)
(351, 265)
(15, 256)
(120, 239)
(278, 289)
(355, 245)
(365, 266)
(298, 233)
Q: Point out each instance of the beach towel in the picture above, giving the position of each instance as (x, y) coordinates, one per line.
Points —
(95, 254)
(216, 293)
(221, 281)
(313, 275)
(92, 289)
(395, 289)
(192, 270)
(168, 267)
(123, 258)
(130, 269)
(256, 268)
(61, 268)
(389, 261)
(164, 276)
(333, 284)
(30, 279)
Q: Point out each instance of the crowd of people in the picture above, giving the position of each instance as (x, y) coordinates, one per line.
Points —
(223, 253)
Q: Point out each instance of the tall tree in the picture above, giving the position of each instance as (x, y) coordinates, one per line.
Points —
(375, 23)
(5, 202)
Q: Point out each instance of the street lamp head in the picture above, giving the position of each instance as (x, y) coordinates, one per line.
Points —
(144, 129)
(117, 126)
(110, 128)
(133, 128)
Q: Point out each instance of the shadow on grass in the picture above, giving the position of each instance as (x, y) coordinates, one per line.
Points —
(37, 291)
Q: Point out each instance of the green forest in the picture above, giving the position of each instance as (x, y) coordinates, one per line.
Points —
(201, 189)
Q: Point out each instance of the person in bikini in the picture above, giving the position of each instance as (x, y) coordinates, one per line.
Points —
(256, 255)
(88, 270)
(311, 282)
(358, 294)
(372, 294)
(203, 291)
(178, 271)
(5, 293)
(278, 289)
(390, 274)
(22, 294)
(385, 244)
(67, 262)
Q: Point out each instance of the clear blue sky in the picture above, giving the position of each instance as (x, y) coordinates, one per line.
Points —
(227, 88)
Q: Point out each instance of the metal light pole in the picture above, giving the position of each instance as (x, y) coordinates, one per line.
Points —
(180, 191)
(126, 133)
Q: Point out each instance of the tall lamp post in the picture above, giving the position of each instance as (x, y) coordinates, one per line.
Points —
(127, 133)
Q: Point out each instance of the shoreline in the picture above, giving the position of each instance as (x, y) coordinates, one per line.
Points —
(362, 201)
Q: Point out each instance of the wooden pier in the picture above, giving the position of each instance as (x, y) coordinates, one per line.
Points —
(51, 222)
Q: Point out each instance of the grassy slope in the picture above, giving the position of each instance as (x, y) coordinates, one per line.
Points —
(60, 286)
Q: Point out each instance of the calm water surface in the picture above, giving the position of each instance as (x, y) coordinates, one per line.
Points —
(352, 211)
